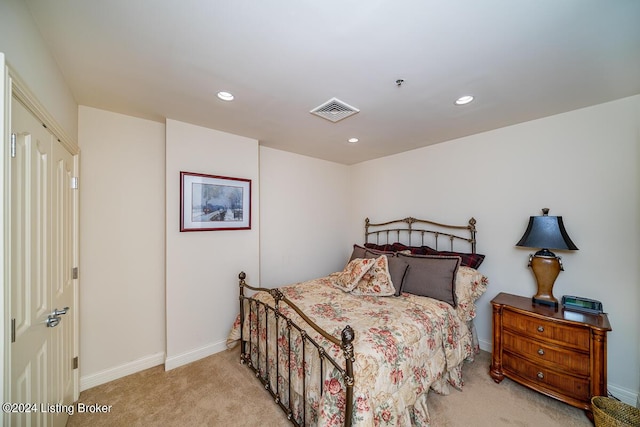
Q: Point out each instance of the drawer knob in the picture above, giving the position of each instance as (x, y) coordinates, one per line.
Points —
(540, 328)
(540, 375)
(541, 352)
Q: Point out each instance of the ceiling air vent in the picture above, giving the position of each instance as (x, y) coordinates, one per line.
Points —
(334, 110)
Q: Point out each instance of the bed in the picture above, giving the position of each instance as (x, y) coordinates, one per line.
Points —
(365, 345)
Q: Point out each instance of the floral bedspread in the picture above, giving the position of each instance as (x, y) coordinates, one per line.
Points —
(404, 346)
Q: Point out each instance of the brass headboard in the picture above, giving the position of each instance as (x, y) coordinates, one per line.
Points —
(410, 229)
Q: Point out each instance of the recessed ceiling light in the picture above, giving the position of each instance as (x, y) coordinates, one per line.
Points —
(353, 140)
(225, 96)
(464, 100)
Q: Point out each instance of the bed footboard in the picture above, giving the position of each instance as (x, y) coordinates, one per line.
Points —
(280, 359)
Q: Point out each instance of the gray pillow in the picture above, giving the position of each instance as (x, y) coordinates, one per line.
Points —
(358, 252)
(398, 269)
(431, 276)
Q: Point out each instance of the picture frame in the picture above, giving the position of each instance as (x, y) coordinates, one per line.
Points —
(212, 202)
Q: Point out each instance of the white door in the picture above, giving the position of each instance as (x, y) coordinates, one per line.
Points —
(62, 228)
(41, 257)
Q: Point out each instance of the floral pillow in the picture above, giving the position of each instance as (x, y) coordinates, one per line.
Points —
(470, 285)
(376, 281)
(348, 278)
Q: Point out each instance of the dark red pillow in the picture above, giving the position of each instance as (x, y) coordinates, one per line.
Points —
(397, 247)
(413, 250)
(468, 259)
(382, 248)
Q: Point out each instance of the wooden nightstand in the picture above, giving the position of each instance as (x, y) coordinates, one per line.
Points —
(562, 353)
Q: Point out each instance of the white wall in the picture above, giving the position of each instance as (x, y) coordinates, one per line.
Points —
(304, 211)
(122, 218)
(308, 197)
(583, 165)
(27, 53)
(202, 266)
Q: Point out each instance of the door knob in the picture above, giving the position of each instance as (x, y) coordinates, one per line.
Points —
(52, 321)
(57, 312)
(54, 318)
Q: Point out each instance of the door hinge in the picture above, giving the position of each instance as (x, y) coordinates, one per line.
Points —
(13, 145)
(74, 273)
(13, 330)
(74, 183)
(75, 362)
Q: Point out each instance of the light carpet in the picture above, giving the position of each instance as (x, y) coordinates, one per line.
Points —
(219, 391)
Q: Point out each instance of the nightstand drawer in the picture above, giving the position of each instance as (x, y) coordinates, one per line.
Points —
(567, 385)
(563, 334)
(542, 353)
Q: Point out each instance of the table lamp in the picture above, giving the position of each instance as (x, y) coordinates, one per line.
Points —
(546, 232)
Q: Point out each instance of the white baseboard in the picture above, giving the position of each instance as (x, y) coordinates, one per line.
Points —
(107, 375)
(485, 345)
(173, 362)
(120, 371)
(625, 395)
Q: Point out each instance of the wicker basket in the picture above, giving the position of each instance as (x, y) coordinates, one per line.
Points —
(609, 412)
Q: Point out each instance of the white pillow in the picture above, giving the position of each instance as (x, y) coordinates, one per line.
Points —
(348, 278)
(470, 285)
(376, 281)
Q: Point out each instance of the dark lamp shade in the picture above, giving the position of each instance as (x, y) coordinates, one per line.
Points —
(546, 232)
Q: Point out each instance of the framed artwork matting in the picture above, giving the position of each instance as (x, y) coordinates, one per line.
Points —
(212, 202)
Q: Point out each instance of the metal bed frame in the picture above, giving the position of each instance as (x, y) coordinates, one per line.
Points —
(248, 346)
(405, 228)
(258, 313)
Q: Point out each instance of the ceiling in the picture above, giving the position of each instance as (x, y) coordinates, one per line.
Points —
(522, 60)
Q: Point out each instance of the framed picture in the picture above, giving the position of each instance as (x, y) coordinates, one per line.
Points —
(210, 202)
